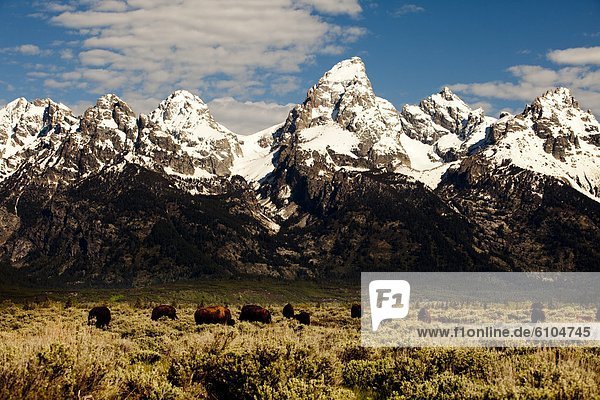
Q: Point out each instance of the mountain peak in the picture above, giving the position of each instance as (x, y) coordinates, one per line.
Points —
(109, 98)
(447, 94)
(184, 111)
(346, 71)
(179, 96)
(557, 98)
(16, 103)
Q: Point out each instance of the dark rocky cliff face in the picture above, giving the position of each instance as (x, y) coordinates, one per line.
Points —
(134, 226)
(523, 220)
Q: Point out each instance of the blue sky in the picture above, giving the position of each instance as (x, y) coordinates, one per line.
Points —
(251, 59)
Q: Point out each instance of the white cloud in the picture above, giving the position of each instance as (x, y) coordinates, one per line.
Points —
(79, 107)
(408, 9)
(248, 117)
(533, 80)
(485, 105)
(67, 54)
(28, 49)
(576, 56)
(141, 103)
(54, 84)
(350, 7)
(241, 48)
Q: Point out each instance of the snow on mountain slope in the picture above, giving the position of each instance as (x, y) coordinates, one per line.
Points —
(342, 124)
(446, 123)
(438, 132)
(20, 123)
(352, 122)
(182, 138)
(23, 125)
(257, 152)
(552, 136)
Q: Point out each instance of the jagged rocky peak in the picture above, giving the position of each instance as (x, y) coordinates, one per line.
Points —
(183, 111)
(552, 100)
(22, 122)
(346, 73)
(448, 127)
(556, 118)
(449, 111)
(440, 114)
(181, 137)
(341, 115)
(341, 96)
(552, 137)
(113, 119)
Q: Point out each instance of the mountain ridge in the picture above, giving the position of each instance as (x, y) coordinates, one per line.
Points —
(314, 195)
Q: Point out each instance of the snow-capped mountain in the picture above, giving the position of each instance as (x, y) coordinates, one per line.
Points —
(343, 124)
(554, 137)
(344, 182)
(25, 125)
(446, 123)
(182, 137)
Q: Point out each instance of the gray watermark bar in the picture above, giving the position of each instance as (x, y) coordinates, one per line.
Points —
(488, 309)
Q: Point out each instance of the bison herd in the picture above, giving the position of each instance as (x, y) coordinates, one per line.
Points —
(100, 316)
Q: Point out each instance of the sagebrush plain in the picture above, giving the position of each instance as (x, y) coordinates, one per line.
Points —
(47, 351)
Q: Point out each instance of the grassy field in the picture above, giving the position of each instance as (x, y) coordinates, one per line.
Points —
(47, 351)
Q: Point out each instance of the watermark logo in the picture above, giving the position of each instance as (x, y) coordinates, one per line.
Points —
(491, 309)
(389, 300)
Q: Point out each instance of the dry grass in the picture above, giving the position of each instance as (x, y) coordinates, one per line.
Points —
(48, 352)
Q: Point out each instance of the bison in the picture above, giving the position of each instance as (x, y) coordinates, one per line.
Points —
(303, 317)
(254, 313)
(424, 315)
(356, 311)
(537, 313)
(100, 316)
(163, 311)
(288, 311)
(213, 315)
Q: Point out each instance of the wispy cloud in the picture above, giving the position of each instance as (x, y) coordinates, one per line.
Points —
(576, 56)
(26, 50)
(580, 73)
(335, 7)
(67, 54)
(248, 117)
(240, 48)
(7, 86)
(408, 9)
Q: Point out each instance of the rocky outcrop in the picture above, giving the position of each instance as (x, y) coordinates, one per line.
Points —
(182, 137)
(553, 137)
(446, 123)
(343, 100)
(340, 126)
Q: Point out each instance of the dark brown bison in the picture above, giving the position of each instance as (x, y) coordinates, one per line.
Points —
(163, 310)
(288, 311)
(253, 313)
(356, 311)
(213, 315)
(100, 316)
(537, 313)
(303, 317)
(424, 315)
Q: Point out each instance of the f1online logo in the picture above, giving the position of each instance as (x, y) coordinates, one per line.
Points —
(389, 300)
